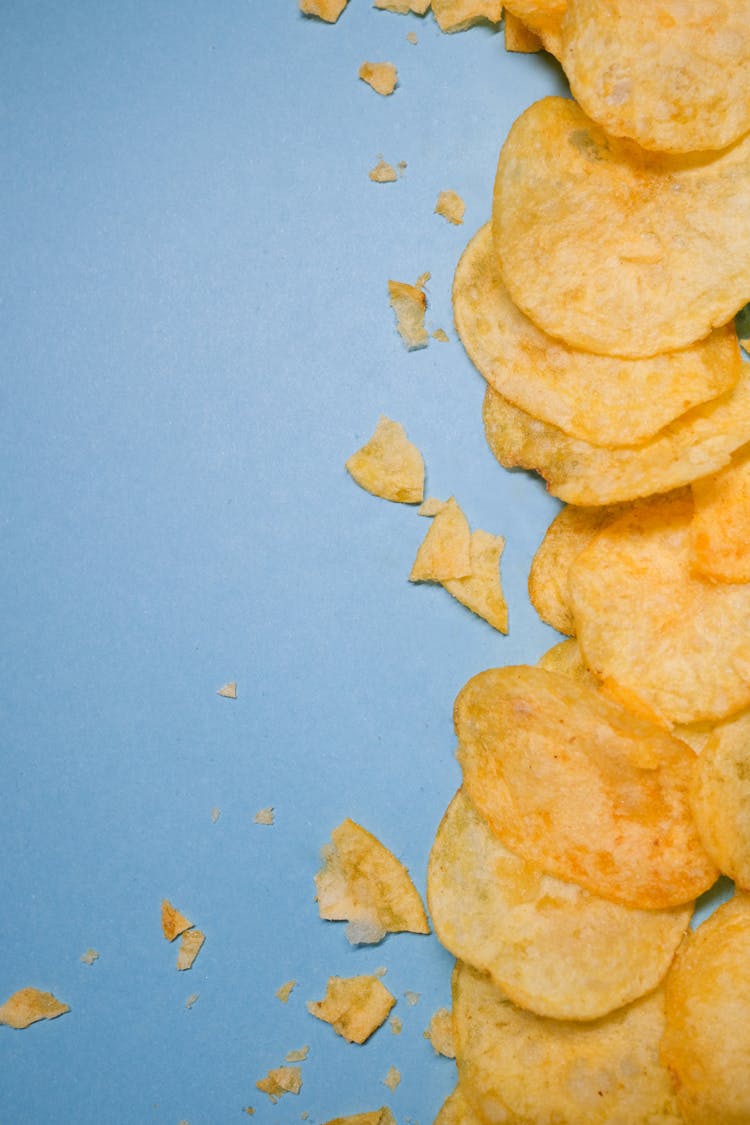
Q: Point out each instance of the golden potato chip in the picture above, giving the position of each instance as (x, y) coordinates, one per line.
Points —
(173, 923)
(409, 303)
(191, 943)
(720, 797)
(614, 249)
(441, 335)
(481, 591)
(517, 1066)
(599, 399)
(694, 445)
(328, 10)
(498, 913)
(281, 1080)
(720, 529)
(382, 76)
(706, 1042)
(671, 76)
(383, 173)
(542, 17)
(445, 551)
(646, 622)
(382, 1116)
(361, 882)
(581, 788)
(389, 465)
(440, 1033)
(402, 7)
(29, 1005)
(451, 206)
(355, 1007)
(458, 15)
(455, 1110)
(519, 37)
(431, 506)
(229, 691)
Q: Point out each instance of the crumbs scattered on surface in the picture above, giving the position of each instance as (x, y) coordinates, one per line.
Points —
(441, 335)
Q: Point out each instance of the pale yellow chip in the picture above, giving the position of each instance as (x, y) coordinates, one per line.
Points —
(412, 998)
(519, 37)
(542, 17)
(264, 816)
(445, 551)
(403, 7)
(440, 1033)
(581, 788)
(281, 1080)
(500, 914)
(173, 922)
(481, 591)
(458, 15)
(456, 1110)
(29, 1005)
(228, 691)
(298, 1055)
(451, 206)
(382, 1116)
(389, 465)
(514, 1066)
(720, 529)
(383, 172)
(381, 76)
(721, 797)
(396, 1025)
(328, 10)
(409, 303)
(602, 400)
(694, 445)
(441, 335)
(355, 1007)
(392, 1078)
(285, 991)
(191, 944)
(363, 883)
(89, 957)
(430, 506)
(646, 622)
(706, 1043)
(613, 249)
(671, 76)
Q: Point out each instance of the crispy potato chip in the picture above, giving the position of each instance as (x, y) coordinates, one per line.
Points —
(191, 943)
(694, 445)
(519, 37)
(382, 76)
(440, 1033)
(481, 591)
(542, 17)
(599, 399)
(581, 788)
(29, 1005)
(517, 1066)
(455, 1110)
(493, 910)
(229, 691)
(451, 206)
(445, 551)
(409, 303)
(611, 248)
(389, 465)
(382, 1116)
(361, 882)
(383, 173)
(706, 1043)
(644, 621)
(173, 923)
(720, 529)
(281, 1080)
(720, 797)
(355, 1007)
(671, 76)
(328, 10)
(458, 15)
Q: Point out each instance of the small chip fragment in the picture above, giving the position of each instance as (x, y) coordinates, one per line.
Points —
(328, 10)
(440, 1033)
(403, 7)
(458, 15)
(173, 923)
(299, 1055)
(451, 206)
(264, 816)
(430, 506)
(215, 814)
(29, 1005)
(481, 591)
(381, 76)
(281, 1080)
(519, 37)
(392, 1078)
(445, 551)
(382, 1116)
(441, 335)
(396, 1025)
(89, 957)
(284, 992)
(409, 303)
(383, 173)
(389, 465)
(192, 999)
(355, 1007)
(412, 998)
(190, 946)
(229, 691)
(411, 37)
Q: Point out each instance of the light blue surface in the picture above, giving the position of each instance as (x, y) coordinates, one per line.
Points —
(196, 334)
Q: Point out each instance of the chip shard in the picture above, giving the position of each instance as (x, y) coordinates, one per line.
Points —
(409, 303)
(173, 922)
(355, 1007)
(281, 1080)
(191, 943)
(389, 465)
(29, 1005)
(381, 76)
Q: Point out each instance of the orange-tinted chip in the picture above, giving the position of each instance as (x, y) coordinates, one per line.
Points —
(173, 922)
(328, 10)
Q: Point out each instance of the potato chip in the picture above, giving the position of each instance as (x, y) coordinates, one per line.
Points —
(671, 76)
(382, 1116)
(409, 303)
(264, 816)
(228, 691)
(440, 1033)
(599, 399)
(644, 621)
(361, 882)
(455, 1110)
(298, 1055)
(458, 15)
(498, 913)
(383, 173)
(191, 944)
(355, 1007)
(381, 76)
(402, 7)
(519, 37)
(173, 923)
(614, 249)
(451, 206)
(694, 445)
(720, 529)
(517, 1066)
(328, 10)
(481, 591)
(581, 788)
(281, 1080)
(285, 991)
(566, 658)
(430, 506)
(441, 335)
(445, 551)
(706, 1043)
(389, 465)
(396, 1025)
(29, 1005)
(542, 17)
(720, 797)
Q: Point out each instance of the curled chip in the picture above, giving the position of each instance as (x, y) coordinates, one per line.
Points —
(458, 15)
(355, 1007)
(706, 1043)
(720, 529)
(614, 249)
(361, 882)
(581, 788)
(599, 399)
(671, 76)
(409, 303)
(328, 10)
(445, 551)
(495, 911)
(382, 76)
(646, 622)
(456, 1110)
(694, 445)
(517, 1066)
(721, 797)
(389, 465)
(29, 1005)
(543, 17)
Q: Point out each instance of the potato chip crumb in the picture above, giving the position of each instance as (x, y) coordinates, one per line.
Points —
(89, 957)
(441, 335)
(355, 1007)
(389, 465)
(328, 10)
(430, 507)
(229, 691)
(281, 1080)
(396, 1025)
(409, 303)
(264, 816)
(458, 15)
(249, 1110)
(451, 206)
(381, 76)
(191, 943)
(297, 1056)
(440, 1033)
(519, 37)
(411, 37)
(412, 998)
(29, 1005)
(383, 173)
(191, 999)
(173, 923)
(402, 166)
(392, 1078)
(215, 814)
(284, 992)
(380, 972)
(445, 551)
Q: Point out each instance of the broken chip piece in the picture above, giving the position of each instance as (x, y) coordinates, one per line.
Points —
(382, 1116)
(285, 990)
(445, 551)
(389, 465)
(29, 1005)
(89, 957)
(355, 1007)
(328, 10)
(392, 1078)
(481, 591)
(381, 76)
(440, 1033)
(229, 691)
(518, 37)
(451, 206)
(402, 7)
(281, 1080)
(190, 946)
(458, 15)
(409, 303)
(383, 173)
(173, 922)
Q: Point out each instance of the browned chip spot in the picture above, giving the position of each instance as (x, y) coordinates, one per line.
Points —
(440, 1033)
(409, 303)
(389, 465)
(328, 10)
(192, 999)
(355, 1007)
(382, 76)
(229, 691)
(383, 173)
(281, 1080)
(173, 923)
(451, 206)
(29, 1005)
(190, 946)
